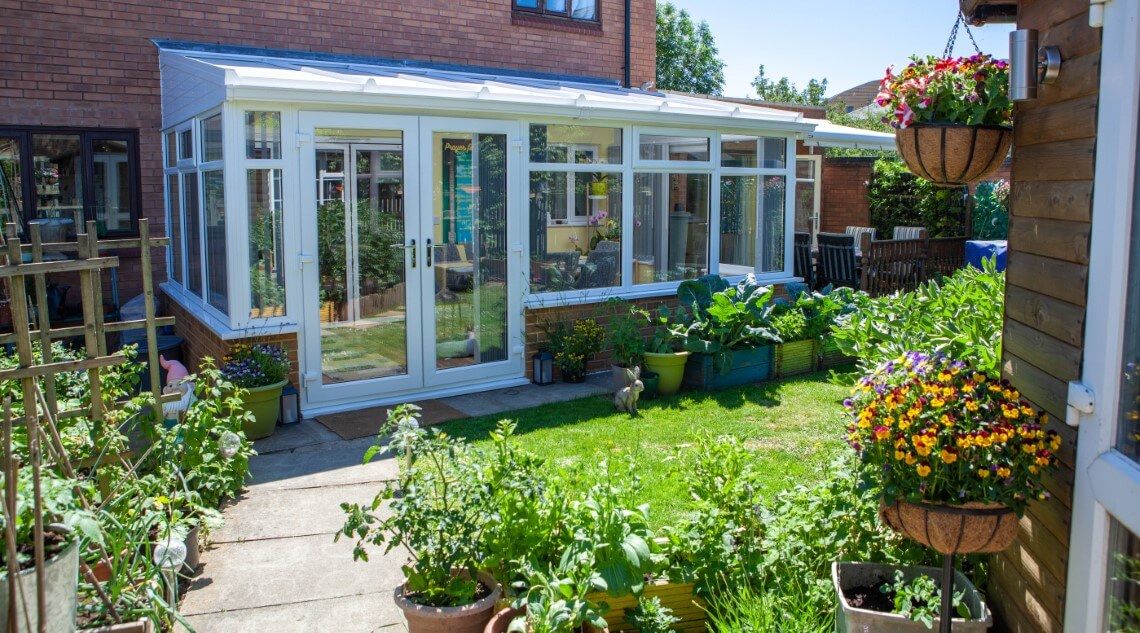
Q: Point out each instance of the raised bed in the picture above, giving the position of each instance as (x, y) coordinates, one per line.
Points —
(678, 597)
(796, 357)
(748, 366)
(830, 356)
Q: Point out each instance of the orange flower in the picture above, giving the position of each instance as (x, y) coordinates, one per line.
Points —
(1003, 472)
(910, 459)
(949, 455)
(983, 473)
(923, 469)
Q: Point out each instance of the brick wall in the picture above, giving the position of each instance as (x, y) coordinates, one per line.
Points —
(843, 193)
(91, 62)
(199, 341)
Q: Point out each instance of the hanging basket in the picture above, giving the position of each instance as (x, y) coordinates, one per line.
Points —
(953, 155)
(966, 529)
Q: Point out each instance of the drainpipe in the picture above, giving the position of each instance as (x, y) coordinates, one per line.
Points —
(1096, 13)
(628, 43)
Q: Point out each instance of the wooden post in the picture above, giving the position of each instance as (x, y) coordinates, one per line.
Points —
(92, 304)
(148, 300)
(97, 278)
(43, 319)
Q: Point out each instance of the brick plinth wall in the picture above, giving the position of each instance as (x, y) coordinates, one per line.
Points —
(199, 341)
(843, 193)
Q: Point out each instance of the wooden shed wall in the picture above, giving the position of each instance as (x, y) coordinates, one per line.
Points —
(1051, 206)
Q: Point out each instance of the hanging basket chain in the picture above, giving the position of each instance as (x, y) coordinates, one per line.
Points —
(960, 21)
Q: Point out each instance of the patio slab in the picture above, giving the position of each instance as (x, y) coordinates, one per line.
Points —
(529, 395)
(362, 613)
(287, 512)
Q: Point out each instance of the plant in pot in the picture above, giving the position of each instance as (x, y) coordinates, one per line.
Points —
(728, 332)
(437, 511)
(953, 117)
(261, 370)
(554, 602)
(625, 340)
(955, 455)
(574, 345)
(600, 185)
(664, 357)
(66, 527)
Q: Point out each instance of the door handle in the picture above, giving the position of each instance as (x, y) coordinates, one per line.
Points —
(411, 246)
(429, 251)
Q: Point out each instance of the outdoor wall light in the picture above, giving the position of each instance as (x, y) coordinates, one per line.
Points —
(1030, 66)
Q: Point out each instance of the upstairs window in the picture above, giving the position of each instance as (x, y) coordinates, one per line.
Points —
(584, 10)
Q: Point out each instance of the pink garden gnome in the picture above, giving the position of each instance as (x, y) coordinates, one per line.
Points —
(176, 374)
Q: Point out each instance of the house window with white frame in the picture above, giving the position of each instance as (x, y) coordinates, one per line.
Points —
(575, 207)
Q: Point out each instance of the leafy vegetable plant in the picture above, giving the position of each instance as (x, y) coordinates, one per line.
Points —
(920, 599)
(726, 319)
(650, 616)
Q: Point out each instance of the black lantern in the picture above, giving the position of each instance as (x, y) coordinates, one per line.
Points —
(542, 366)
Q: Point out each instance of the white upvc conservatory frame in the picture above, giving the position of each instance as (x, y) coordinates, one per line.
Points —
(1107, 483)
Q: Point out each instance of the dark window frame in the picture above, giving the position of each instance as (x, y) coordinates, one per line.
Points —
(542, 11)
(87, 137)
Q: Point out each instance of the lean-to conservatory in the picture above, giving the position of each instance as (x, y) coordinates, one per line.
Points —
(400, 220)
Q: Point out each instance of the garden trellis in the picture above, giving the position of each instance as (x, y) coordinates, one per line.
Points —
(25, 270)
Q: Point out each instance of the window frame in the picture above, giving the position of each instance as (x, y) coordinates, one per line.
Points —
(567, 15)
(87, 137)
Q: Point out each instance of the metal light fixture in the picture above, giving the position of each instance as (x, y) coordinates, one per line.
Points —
(1030, 66)
(542, 367)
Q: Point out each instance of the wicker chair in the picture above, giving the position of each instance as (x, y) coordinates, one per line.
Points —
(837, 262)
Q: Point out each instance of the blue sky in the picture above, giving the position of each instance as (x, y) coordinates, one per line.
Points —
(847, 42)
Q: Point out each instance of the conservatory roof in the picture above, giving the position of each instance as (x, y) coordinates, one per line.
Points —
(195, 74)
(828, 134)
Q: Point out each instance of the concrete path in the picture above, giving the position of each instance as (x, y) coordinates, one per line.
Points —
(274, 566)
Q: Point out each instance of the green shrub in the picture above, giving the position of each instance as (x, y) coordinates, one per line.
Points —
(573, 345)
(790, 324)
(650, 616)
(960, 316)
(991, 211)
(899, 198)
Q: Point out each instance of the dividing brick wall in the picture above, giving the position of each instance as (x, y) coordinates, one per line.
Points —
(91, 63)
(843, 195)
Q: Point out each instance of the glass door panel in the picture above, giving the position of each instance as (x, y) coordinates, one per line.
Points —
(361, 261)
(467, 251)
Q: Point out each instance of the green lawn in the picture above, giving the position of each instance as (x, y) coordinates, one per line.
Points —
(793, 426)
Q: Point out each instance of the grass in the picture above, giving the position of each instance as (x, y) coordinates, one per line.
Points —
(793, 426)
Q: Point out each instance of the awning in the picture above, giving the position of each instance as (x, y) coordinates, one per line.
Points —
(828, 134)
(195, 74)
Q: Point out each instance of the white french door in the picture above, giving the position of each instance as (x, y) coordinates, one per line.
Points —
(408, 256)
(1103, 592)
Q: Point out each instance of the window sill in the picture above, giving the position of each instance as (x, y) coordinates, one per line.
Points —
(220, 328)
(567, 25)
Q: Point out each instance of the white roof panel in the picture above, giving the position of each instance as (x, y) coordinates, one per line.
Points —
(828, 134)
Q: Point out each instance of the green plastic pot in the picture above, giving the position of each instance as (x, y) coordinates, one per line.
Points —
(670, 369)
(265, 405)
(650, 380)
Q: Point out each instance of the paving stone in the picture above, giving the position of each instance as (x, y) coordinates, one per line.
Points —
(529, 395)
(293, 436)
(273, 572)
(284, 513)
(319, 465)
(364, 613)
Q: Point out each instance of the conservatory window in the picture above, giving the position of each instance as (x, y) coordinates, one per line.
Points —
(266, 253)
(772, 220)
(670, 226)
(212, 138)
(664, 147)
(214, 224)
(263, 135)
(575, 201)
(193, 232)
(738, 205)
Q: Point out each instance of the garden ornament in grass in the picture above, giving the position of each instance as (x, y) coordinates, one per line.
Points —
(176, 382)
(626, 397)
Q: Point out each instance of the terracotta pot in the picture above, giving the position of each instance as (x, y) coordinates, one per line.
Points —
(951, 155)
(470, 618)
(971, 528)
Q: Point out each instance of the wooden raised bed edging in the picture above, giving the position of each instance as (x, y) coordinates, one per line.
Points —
(830, 356)
(795, 357)
(138, 626)
(748, 366)
(677, 596)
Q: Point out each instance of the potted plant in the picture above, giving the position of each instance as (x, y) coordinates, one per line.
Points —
(436, 509)
(957, 456)
(600, 185)
(261, 371)
(573, 346)
(876, 598)
(664, 357)
(727, 331)
(66, 523)
(624, 338)
(556, 602)
(953, 117)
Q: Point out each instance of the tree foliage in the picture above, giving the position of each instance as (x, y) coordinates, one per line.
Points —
(899, 198)
(782, 90)
(687, 57)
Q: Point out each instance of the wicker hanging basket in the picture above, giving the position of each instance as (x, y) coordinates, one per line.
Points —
(966, 529)
(953, 155)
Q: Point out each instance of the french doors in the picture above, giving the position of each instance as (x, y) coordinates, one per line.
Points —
(1103, 592)
(407, 256)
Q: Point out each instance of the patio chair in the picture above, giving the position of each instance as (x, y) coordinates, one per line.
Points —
(802, 264)
(891, 265)
(908, 233)
(837, 262)
(563, 270)
(858, 231)
(607, 246)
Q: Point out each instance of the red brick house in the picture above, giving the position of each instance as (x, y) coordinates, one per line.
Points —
(397, 194)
